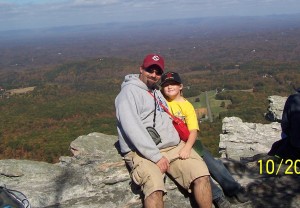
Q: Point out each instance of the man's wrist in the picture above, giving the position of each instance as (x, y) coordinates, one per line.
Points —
(156, 158)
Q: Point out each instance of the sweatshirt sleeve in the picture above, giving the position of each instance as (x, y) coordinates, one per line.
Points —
(128, 109)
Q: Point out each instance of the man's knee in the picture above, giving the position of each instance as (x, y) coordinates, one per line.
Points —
(204, 180)
(153, 184)
(155, 199)
(156, 194)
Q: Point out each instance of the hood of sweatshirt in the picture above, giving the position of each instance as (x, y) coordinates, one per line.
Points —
(135, 80)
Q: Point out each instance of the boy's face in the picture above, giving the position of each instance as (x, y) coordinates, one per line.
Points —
(172, 89)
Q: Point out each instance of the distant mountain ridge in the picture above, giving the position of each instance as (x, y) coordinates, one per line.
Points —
(181, 41)
(205, 23)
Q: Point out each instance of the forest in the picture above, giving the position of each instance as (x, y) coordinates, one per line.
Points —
(75, 96)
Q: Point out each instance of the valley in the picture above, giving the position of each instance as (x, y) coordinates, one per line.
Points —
(76, 73)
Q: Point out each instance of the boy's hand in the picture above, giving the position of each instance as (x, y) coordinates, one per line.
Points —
(185, 152)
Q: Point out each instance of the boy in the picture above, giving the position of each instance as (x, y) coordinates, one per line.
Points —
(180, 107)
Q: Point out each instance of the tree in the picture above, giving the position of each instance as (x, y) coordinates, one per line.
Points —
(222, 104)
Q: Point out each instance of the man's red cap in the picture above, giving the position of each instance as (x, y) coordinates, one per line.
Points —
(153, 59)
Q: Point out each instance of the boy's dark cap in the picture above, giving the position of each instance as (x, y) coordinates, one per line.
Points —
(170, 76)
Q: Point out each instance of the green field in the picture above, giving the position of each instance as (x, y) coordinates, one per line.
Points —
(214, 103)
(209, 131)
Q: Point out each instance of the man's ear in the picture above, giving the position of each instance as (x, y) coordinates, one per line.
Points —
(141, 69)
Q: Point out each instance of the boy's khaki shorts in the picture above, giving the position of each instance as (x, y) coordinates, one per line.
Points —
(146, 174)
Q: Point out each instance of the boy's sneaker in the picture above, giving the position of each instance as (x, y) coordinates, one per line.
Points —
(242, 195)
(221, 202)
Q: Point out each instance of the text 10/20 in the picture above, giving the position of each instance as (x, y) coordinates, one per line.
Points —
(271, 167)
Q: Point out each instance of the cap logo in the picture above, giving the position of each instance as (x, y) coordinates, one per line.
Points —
(169, 75)
(155, 58)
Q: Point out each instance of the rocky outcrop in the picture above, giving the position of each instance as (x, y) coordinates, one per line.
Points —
(270, 183)
(276, 105)
(96, 176)
(240, 138)
(246, 139)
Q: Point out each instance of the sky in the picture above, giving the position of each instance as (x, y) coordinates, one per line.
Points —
(30, 14)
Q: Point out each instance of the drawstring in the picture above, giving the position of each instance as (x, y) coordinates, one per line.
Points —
(155, 105)
(156, 101)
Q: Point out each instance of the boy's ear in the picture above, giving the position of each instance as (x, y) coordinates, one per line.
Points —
(181, 86)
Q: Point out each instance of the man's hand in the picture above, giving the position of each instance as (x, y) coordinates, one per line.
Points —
(163, 164)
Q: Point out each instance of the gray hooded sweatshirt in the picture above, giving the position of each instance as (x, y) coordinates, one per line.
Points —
(135, 112)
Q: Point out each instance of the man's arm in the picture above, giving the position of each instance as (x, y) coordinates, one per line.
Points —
(127, 110)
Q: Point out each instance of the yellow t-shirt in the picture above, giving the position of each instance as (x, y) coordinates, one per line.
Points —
(184, 110)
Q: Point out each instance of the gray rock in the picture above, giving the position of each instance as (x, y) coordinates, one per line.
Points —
(276, 105)
(244, 147)
(246, 139)
(95, 176)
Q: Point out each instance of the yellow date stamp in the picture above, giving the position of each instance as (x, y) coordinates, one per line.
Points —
(289, 167)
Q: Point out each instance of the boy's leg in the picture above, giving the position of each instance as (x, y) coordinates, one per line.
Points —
(216, 191)
(220, 173)
(219, 200)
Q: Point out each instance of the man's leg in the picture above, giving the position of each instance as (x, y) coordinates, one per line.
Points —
(192, 174)
(202, 192)
(148, 176)
(154, 200)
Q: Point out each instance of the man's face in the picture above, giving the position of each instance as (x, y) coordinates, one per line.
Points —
(150, 76)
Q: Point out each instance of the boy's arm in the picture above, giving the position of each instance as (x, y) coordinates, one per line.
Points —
(185, 152)
(192, 123)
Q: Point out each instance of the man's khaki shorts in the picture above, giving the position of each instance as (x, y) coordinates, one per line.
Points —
(147, 174)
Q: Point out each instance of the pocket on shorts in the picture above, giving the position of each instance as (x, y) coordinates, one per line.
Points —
(138, 171)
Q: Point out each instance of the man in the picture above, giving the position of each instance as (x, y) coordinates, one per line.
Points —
(137, 109)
